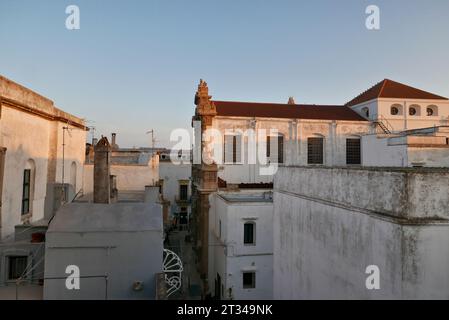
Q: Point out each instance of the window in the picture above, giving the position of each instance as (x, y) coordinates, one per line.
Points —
(248, 233)
(414, 110)
(353, 151)
(16, 266)
(232, 148)
(183, 189)
(26, 192)
(394, 111)
(315, 150)
(249, 280)
(365, 111)
(272, 154)
(432, 111)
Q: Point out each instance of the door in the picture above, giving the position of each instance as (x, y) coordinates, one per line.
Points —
(218, 287)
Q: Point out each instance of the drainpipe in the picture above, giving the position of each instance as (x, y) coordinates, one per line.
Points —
(405, 115)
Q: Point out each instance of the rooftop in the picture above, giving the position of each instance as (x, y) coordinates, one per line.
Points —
(391, 89)
(254, 196)
(97, 217)
(289, 111)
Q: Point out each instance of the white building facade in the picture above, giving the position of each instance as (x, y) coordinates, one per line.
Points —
(241, 245)
(41, 147)
(284, 134)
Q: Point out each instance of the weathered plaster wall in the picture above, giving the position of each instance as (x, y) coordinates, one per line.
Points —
(417, 193)
(123, 241)
(28, 137)
(326, 234)
(377, 152)
(31, 131)
(129, 177)
(172, 174)
(404, 151)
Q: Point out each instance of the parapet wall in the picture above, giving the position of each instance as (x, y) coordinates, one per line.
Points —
(413, 193)
(15, 95)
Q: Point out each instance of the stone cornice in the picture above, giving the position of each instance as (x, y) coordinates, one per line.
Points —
(61, 117)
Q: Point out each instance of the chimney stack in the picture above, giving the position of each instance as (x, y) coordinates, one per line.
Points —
(114, 145)
(102, 171)
(291, 100)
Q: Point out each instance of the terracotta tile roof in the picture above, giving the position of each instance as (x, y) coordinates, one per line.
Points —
(392, 89)
(277, 110)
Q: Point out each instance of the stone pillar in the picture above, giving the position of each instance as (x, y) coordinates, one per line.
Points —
(204, 182)
(102, 171)
(2, 169)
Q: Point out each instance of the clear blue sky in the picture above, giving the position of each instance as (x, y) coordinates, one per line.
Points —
(135, 65)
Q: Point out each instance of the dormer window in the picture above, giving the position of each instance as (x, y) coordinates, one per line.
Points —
(365, 111)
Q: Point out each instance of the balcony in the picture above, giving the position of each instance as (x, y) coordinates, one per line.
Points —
(183, 200)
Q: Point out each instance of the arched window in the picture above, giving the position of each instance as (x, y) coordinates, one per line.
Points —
(73, 175)
(396, 109)
(249, 231)
(414, 110)
(432, 110)
(29, 173)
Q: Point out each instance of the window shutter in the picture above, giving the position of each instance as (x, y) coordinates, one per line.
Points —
(280, 149)
(228, 148)
(315, 151)
(238, 148)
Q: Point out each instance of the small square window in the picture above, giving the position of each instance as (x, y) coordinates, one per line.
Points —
(249, 280)
(16, 266)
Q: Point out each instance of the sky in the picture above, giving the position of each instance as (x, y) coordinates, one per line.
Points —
(135, 65)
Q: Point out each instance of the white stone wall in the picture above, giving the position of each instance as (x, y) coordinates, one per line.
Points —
(405, 151)
(28, 137)
(326, 234)
(129, 177)
(377, 152)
